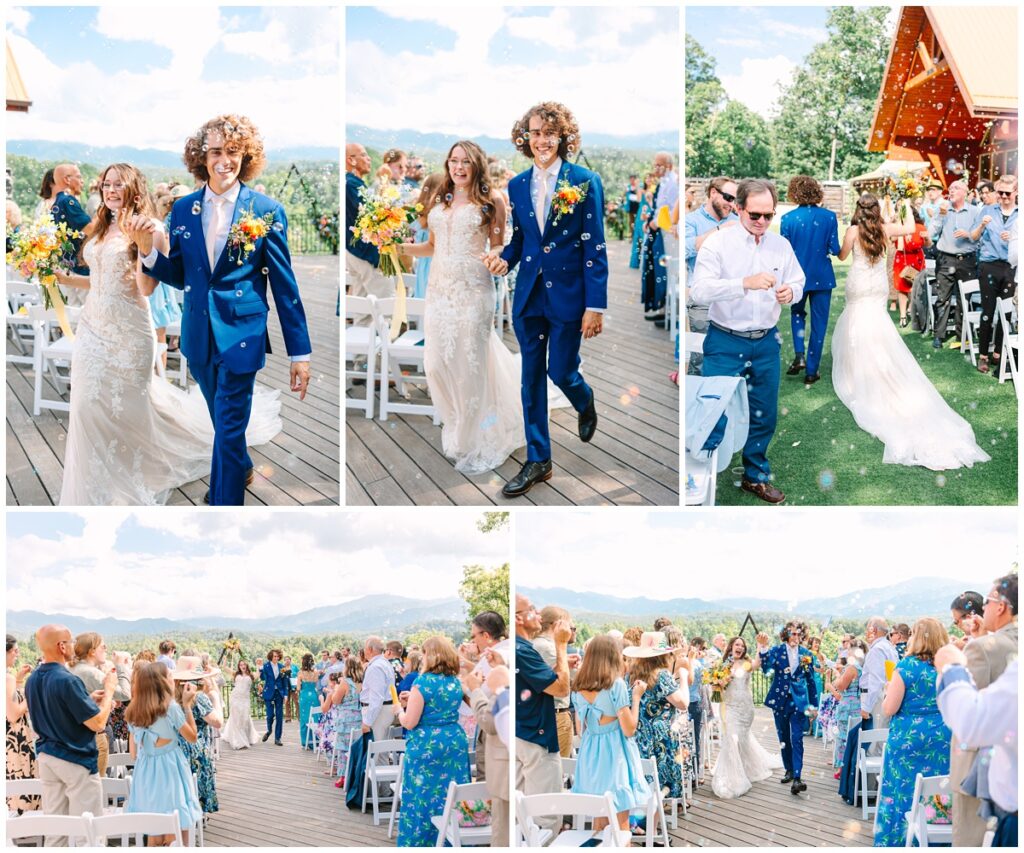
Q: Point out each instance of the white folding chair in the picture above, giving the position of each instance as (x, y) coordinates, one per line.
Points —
(503, 312)
(396, 786)
(76, 829)
(136, 825)
(115, 794)
(568, 772)
(407, 349)
(409, 280)
(336, 742)
(313, 731)
(695, 342)
(868, 766)
(20, 332)
(971, 317)
(352, 735)
(361, 342)
(120, 765)
(51, 356)
(195, 832)
(382, 759)
(1006, 314)
(671, 295)
(449, 833)
(655, 805)
(23, 788)
(179, 374)
(584, 807)
(918, 828)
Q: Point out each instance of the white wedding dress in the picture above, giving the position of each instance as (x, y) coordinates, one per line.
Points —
(878, 379)
(132, 436)
(741, 760)
(239, 731)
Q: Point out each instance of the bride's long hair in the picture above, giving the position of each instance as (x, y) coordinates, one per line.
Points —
(480, 192)
(870, 228)
(728, 656)
(136, 200)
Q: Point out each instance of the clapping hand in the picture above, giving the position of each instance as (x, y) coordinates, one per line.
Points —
(562, 632)
(472, 681)
(493, 657)
(403, 699)
(23, 672)
(188, 694)
(110, 680)
(961, 234)
(986, 219)
(949, 654)
(639, 688)
(497, 679)
(495, 264)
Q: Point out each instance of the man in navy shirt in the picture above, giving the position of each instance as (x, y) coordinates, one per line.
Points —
(361, 275)
(66, 721)
(538, 763)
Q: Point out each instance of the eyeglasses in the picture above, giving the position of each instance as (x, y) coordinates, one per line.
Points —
(755, 216)
(115, 187)
(530, 609)
(993, 599)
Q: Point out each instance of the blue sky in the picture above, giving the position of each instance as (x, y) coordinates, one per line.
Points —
(165, 562)
(471, 70)
(170, 68)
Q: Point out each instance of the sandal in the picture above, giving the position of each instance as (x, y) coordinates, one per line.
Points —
(982, 364)
(904, 321)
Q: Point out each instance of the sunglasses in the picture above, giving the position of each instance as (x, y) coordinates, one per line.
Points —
(757, 216)
(1004, 193)
(727, 196)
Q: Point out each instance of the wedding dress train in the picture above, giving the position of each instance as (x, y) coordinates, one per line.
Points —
(741, 760)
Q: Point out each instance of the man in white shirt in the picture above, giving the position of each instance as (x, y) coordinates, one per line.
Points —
(746, 275)
(378, 709)
(873, 678)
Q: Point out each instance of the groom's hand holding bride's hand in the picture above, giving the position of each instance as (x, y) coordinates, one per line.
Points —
(592, 324)
(137, 228)
(299, 376)
(495, 264)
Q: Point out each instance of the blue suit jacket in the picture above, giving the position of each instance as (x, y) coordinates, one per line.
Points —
(228, 304)
(66, 208)
(789, 688)
(361, 250)
(575, 266)
(279, 686)
(813, 233)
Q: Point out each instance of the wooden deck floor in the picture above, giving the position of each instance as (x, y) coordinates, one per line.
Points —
(633, 459)
(769, 815)
(300, 466)
(277, 796)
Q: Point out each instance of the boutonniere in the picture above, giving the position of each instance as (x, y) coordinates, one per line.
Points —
(566, 197)
(805, 660)
(245, 232)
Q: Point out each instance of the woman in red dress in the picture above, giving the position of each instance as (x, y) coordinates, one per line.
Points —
(908, 261)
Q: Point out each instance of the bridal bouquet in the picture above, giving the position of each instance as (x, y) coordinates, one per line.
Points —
(903, 186)
(718, 677)
(39, 250)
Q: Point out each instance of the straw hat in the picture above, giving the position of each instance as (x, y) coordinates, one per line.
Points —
(190, 668)
(652, 644)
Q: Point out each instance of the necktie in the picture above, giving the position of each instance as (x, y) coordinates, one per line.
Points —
(212, 232)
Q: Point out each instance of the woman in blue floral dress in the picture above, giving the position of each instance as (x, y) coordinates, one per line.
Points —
(348, 716)
(918, 739)
(437, 751)
(846, 691)
(198, 753)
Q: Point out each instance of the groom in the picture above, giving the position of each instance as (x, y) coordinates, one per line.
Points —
(791, 696)
(277, 680)
(561, 289)
(225, 278)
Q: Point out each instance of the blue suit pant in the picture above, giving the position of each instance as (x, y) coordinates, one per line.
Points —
(229, 399)
(820, 302)
(790, 729)
(275, 714)
(757, 361)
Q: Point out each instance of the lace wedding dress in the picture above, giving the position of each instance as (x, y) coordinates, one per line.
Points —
(741, 760)
(239, 731)
(132, 436)
(878, 379)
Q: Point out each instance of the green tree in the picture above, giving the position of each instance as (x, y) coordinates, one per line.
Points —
(738, 143)
(493, 521)
(833, 94)
(485, 589)
(705, 96)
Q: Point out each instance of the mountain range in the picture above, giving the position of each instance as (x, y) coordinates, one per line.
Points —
(384, 613)
(144, 158)
(420, 143)
(921, 596)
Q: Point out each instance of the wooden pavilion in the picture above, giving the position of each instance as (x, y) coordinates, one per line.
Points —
(949, 94)
(17, 97)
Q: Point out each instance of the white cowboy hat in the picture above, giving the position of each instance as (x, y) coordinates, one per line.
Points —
(189, 668)
(653, 644)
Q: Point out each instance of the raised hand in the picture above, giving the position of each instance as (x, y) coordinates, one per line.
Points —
(762, 639)
(562, 632)
(497, 678)
(472, 681)
(188, 694)
(639, 688)
(23, 672)
(110, 680)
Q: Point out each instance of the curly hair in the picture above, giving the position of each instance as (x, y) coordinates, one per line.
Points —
(239, 132)
(803, 189)
(870, 229)
(559, 117)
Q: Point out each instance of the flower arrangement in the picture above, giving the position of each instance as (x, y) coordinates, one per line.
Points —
(41, 249)
(903, 186)
(718, 677)
(244, 233)
(384, 222)
(566, 197)
(806, 660)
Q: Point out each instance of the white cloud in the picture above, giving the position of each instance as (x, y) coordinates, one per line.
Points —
(757, 84)
(18, 19)
(784, 29)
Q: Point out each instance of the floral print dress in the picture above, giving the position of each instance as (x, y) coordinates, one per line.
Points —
(847, 709)
(918, 743)
(656, 737)
(198, 755)
(21, 758)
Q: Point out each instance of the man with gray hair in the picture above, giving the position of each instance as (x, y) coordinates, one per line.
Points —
(956, 258)
(746, 275)
(378, 708)
(873, 678)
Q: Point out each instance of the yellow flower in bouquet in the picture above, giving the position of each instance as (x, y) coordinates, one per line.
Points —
(384, 222)
(245, 232)
(718, 677)
(566, 197)
(41, 249)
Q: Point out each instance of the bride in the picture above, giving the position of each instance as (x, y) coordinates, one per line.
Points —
(874, 373)
(473, 378)
(240, 732)
(132, 437)
(742, 760)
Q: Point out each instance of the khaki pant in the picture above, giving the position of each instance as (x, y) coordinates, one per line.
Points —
(364, 279)
(968, 829)
(103, 745)
(538, 772)
(564, 722)
(499, 823)
(384, 721)
(68, 789)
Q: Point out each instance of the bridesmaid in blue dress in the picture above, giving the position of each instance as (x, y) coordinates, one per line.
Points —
(436, 751)
(162, 779)
(307, 678)
(609, 759)
(918, 738)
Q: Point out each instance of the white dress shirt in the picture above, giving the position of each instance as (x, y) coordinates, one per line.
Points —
(794, 657)
(543, 182)
(872, 677)
(378, 680)
(668, 190)
(729, 256)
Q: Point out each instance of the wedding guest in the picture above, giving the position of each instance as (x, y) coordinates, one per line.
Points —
(846, 691)
(90, 665)
(918, 741)
(21, 757)
(930, 208)
(488, 634)
(813, 231)
(336, 663)
(92, 203)
(898, 636)
(291, 707)
(631, 197)
(717, 212)
(362, 278)
(47, 195)
(995, 274)
(873, 676)
(907, 262)
(538, 763)
(378, 709)
(695, 708)
(346, 716)
(307, 679)
(197, 752)
(162, 303)
(718, 645)
(743, 311)
(484, 709)
(956, 258)
(394, 652)
(691, 199)
(984, 193)
(544, 643)
(985, 719)
(167, 650)
(609, 760)
(324, 662)
(431, 185)
(436, 751)
(659, 242)
(161, 780)
(66, 721)
(986, 659)
(967, 610)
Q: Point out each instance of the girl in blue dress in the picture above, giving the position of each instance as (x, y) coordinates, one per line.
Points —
(307, 679)
(437, 751)
(162, 780)
(609, 759)
(918, 739)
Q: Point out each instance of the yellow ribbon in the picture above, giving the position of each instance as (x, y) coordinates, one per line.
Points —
(398, 317)
(664, 220)
(57, 301)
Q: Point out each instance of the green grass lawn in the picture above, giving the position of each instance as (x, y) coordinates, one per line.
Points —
(820, 457)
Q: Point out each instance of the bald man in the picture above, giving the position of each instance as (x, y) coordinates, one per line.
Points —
(67, 179)
(361, 275)
(66, 720)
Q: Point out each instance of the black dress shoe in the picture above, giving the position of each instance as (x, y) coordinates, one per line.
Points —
(266, 736)
(529, 475)
(249, 477)
(278, 743)
(811, 378)
(588, 420)
(797, 365)
(787, 778)
(798, 786)
(653, 318)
